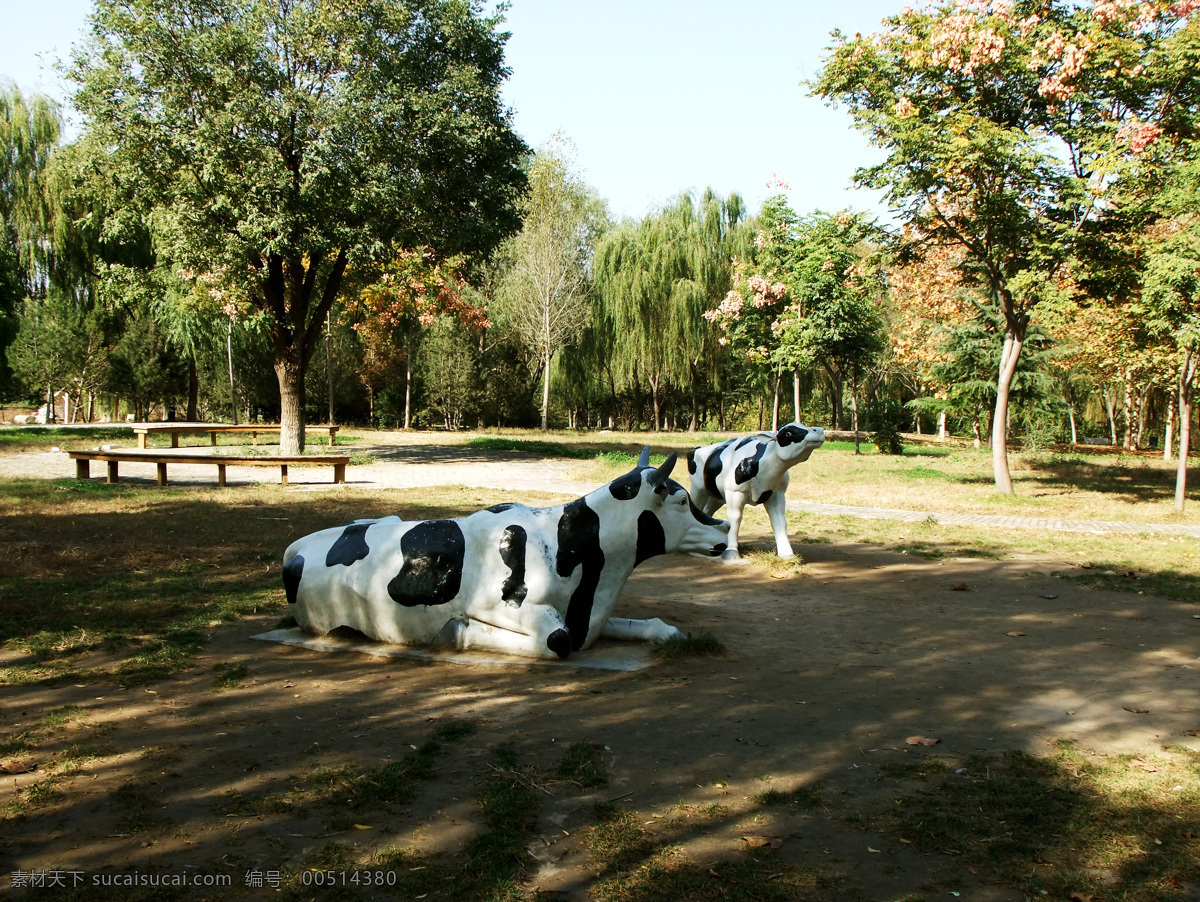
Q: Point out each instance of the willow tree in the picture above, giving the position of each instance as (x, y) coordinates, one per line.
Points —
(544, 298)
(656, 278)
(29, 132)
(275, 143)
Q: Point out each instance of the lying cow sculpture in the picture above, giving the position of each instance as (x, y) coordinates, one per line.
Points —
(538, 582)
(752, 470)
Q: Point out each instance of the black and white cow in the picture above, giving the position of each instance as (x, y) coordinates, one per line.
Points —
(752, 470)
(538, 582)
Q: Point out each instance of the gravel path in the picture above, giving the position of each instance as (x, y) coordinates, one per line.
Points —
(430, 460)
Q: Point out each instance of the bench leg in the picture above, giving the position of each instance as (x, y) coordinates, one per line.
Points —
(214, 437)
(339, 474)
(142, 440)
(254, 438)
(83, 468)
(332, 437)
(283, 473)
(174, 439)
(162, 473)
(112, 471)
(221, 475)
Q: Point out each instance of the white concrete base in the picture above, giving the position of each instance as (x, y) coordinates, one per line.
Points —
(601, 656)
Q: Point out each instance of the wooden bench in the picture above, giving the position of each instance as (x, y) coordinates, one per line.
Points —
(213, 429)
(83, 461)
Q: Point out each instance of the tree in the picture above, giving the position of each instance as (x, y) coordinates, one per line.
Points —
(407, 298)
(544, 297)
(29, 132)
(654, 281)
(278, 143)
(1170, 301)
(990, 114)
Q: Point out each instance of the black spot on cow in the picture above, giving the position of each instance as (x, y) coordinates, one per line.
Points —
(747, 468)
(762, 499)
(744, 442)
(292, 571)
(789, 435)
(350, 546)
(712, 469)
(501, 508)
(579, 545)
(512, 553)
(691, 459)
(651, 540)
(627, 487)
(433, 563)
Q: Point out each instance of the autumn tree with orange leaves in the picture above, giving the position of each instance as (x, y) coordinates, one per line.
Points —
(393, 312)
(995, 117)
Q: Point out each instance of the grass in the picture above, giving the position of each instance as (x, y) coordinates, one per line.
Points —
(702, 645)
(1062, 826)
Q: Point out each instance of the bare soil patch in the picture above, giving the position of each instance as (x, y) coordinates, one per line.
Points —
(832, 666)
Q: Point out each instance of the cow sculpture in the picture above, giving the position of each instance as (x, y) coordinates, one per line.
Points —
(537, 582)
(751, 470)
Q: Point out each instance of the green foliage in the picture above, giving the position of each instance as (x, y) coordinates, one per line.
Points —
(450, 369)
(275, 145)
(887, 419)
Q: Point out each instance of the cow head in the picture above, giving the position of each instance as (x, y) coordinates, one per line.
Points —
(797, 441)
(667, 519)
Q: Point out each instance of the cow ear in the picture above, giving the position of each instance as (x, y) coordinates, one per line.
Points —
(644, 459)
(659, 476)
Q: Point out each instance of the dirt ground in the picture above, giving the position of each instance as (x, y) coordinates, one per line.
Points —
(831, 667)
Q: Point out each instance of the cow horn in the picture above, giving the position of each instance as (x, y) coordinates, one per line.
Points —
(644, 458)
(659, 476)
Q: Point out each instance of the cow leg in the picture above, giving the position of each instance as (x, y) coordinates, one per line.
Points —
(653, 630)
(539, 636)
(711, 505)
(776, 507)
(733, 514)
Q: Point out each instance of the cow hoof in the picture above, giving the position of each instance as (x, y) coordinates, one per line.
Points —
(559, 642)
(730, 554)
(785, 555)
(451, 637)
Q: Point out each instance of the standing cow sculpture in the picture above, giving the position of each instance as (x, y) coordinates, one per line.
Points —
(537, 582)
(752, 470)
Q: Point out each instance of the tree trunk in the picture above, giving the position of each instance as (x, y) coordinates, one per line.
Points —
(854, 410)
(1110, 405)
(941, 426)
(1127, 408)
(1187, 376)
(796, 394)
(329, 366)
(775, 403)
(654, 399)
(408, 353)
(1169, 434)
(546, 394)
(1013, 340)
(1074, 432)
(290, 373)
(193, 389)
(694, 424)
(232, 389)
(50, 412)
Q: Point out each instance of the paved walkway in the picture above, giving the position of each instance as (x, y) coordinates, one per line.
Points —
(1096, 527)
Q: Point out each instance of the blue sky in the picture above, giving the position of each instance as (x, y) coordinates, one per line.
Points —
(658, 96)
